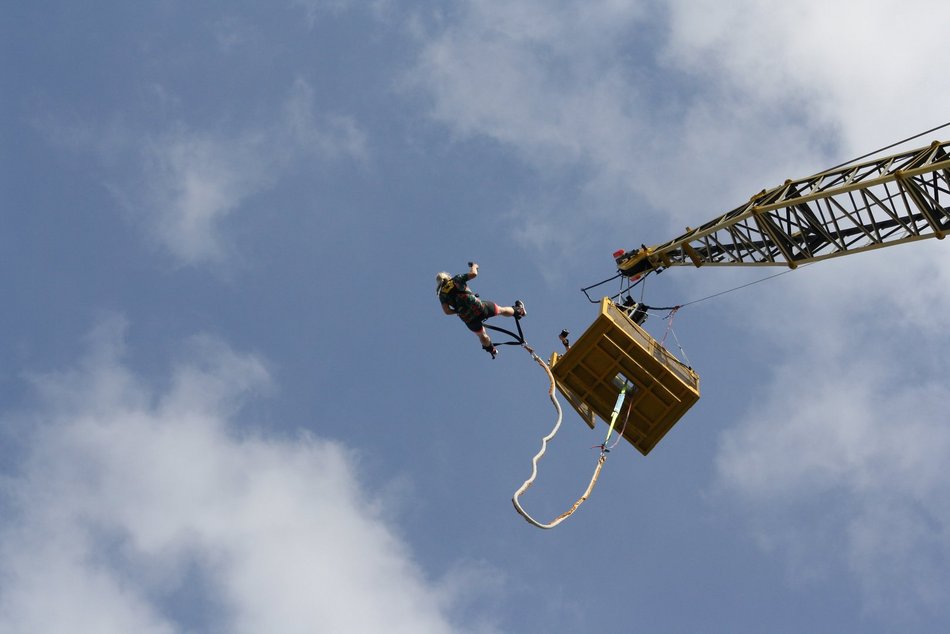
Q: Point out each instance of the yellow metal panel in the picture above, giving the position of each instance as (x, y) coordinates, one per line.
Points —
(614, 349)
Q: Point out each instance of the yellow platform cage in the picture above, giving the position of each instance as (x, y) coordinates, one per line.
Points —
(614, 349)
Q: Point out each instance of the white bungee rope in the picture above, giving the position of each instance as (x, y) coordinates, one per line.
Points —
(544, 446)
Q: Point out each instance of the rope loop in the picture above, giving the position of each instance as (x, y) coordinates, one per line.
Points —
(516, 498)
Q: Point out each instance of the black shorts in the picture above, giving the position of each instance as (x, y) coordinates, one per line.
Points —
(487, 309)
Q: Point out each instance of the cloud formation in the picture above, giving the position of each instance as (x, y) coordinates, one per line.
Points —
(191, 180)
(549, 81)
(839, 460)
(826, 66)
(143, 510)
(181, 182)
(677, 111)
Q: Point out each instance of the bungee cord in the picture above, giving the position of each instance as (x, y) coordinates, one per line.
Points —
(552, 394)
(516, 498)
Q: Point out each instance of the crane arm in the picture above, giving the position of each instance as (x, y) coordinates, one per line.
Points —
(891, 200)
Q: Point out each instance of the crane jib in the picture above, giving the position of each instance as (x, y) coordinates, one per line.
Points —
(887, 201)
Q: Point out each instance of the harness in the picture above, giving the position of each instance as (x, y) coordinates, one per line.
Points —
(517, 339)
(448, 286)
(450, 290)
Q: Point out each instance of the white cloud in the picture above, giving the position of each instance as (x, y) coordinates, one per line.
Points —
(195, 179)
(231, 33)
(182, 183)
(579, 89)
(141, 511)
(539, 76)
(679, 114)
(330, 136)
(314, 8)
(839, 460)
(830, 65)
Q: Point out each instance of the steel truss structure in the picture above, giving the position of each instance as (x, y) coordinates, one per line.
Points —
(900, 198)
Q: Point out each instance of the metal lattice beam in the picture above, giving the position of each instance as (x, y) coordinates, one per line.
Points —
(891, 200)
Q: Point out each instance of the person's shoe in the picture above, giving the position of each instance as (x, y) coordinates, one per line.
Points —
(492, 350)
(520, 309)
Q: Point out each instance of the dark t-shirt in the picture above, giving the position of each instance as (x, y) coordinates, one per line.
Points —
(460, 297)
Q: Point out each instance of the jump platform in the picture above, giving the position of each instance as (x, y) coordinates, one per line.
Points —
(613, 349)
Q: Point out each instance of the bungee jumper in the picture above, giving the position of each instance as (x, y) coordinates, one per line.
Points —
(458, 299)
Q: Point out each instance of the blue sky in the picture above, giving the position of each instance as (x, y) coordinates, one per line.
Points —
(231, 403)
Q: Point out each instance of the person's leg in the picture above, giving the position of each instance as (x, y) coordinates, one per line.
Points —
(479, 330)
(511, 311)
(484, 338)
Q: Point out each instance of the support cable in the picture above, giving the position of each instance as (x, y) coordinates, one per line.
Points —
(741, 286)
(887, 147)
